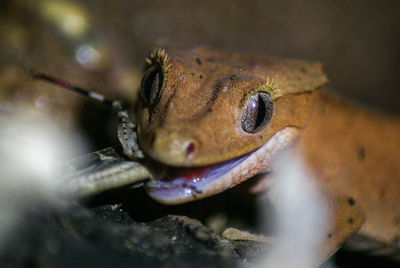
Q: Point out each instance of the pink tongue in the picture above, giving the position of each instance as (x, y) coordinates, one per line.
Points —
(190, 173)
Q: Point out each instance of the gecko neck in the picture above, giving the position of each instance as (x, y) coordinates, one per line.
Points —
(355, 151)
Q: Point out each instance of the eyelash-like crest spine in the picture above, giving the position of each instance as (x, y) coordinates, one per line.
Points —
(159, 57)
(268, 86)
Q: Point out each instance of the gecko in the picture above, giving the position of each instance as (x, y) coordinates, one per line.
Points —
(207, 119)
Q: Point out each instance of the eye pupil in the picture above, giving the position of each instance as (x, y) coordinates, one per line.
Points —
(257, 112)
(151, 85)
(260, 112)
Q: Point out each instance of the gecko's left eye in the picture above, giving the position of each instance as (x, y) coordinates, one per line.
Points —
(151, 85)
(257, 112)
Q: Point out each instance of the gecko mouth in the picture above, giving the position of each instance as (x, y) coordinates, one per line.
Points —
(182, 185)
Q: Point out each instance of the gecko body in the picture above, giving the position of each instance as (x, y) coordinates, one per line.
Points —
(208, 119)
(211, 119)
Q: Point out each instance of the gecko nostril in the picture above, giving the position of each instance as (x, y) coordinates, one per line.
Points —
(190, 149)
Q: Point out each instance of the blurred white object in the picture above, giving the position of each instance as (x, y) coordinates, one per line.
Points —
(30, 149)
(301, 216)
(87, 56)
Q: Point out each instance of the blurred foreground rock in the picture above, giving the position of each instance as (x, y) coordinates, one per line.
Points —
(106, 236)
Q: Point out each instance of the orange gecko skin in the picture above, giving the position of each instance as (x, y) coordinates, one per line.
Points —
(355, 152)
(190, 114)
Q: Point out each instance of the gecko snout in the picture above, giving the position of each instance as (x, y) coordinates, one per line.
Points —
(172, 147)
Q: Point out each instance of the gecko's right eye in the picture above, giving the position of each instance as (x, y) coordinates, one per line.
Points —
(151, 85)
(257, 112)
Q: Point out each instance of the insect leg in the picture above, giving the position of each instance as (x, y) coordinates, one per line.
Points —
(126, 127)
(127, 133)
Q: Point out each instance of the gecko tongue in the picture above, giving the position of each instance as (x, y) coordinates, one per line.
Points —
(189, 174)
(178, 185)
(181, 182)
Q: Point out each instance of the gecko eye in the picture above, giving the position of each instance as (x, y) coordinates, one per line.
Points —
(257, 112)
(151, 85)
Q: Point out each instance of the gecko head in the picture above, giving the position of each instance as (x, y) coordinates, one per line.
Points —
(211, 118)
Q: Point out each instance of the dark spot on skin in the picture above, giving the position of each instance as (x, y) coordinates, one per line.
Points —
(382, 193)
(209, 110)
(201, 76)
(192, 74)
(350, 220)
(261, 137)
(232, 77)
(198, 61)
(303, 70)
(361, 153)
(351, 201)
(329, 235)
(210, 59)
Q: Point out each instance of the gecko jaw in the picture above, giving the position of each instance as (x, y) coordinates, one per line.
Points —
(216, 178)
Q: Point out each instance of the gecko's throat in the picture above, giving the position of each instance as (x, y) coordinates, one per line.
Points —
(180, 185)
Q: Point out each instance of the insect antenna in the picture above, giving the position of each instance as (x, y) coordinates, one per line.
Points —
(115, 104)
(127, 129)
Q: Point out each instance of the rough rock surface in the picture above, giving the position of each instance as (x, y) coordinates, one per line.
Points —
(106, 236)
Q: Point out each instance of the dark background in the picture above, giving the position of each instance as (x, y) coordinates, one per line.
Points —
(358, 42)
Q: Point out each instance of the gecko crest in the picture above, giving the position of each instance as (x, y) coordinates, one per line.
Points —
(269, 86)
(159, 58)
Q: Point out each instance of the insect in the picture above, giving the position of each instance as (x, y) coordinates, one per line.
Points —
(108, 168)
